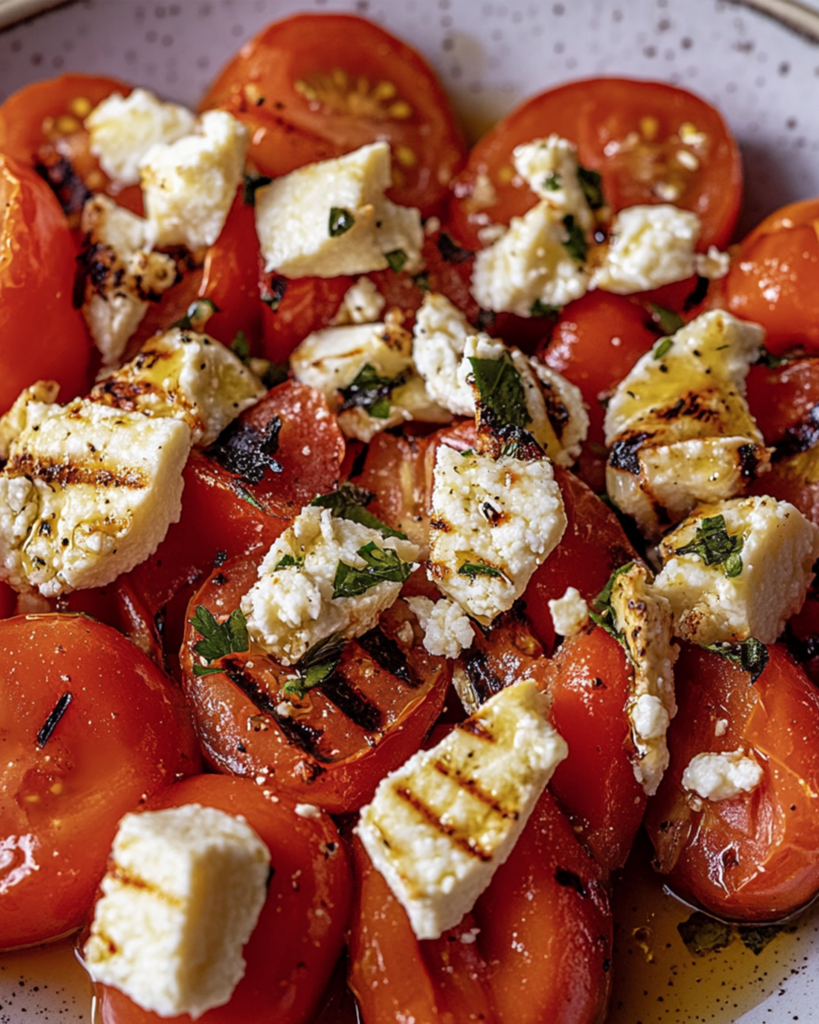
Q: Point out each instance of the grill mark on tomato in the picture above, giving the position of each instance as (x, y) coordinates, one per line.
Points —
(352, 702)
(466, 843)
(386, 653)
(471, 786)
(297, 732)
(484, 681)
(800, 437)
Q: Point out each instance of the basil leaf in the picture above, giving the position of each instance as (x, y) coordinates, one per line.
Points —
(539, 308)
(591, 183)
(246, 452)
(421, 281)
(250, 186)
(451, 252)
(273, 296)
(601, 612)
(371, 392)
(348, 502)
(218, 638)
(340, 221)
(667, 320)
(287, 561)
(552, 181)
(575, 241)
(473, 569)
(501, 391)
(715, 546)
(317, 665)
(198, 314)
(396, 259)
(383, 566)
(751, 655)
(240, 346)
(773, 362)
(662, 348)
(703, 934)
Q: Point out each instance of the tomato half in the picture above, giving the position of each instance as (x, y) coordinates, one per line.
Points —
(651, 142)
(300, 932)
(314, 86)
(755, 856)
(42, 337)
(91, 729)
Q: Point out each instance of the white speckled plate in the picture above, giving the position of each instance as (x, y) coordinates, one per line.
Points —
(765, 79)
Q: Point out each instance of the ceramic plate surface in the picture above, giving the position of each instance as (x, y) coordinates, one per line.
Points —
(763, 76)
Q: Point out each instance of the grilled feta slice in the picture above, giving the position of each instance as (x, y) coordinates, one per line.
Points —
(185, 375)
(87, 493)
(493, 522)
(121, 275)
(441, 825)
(180, 899)
(722, 776)
(366, 373)
(644, 623)
(122, 129)
(439, 339)
(299, 599)
(332, 218)
(679, 426)
(189, 185)
(447, 631)
(740, 576)
(30, 408)
(363, 303)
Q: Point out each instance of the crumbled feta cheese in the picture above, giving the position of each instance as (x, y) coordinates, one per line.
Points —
(549, 167)
(679, 425)
(189, 185)
(122, 129)
(493, 523)
(179, 901)
(87, 493)
(363, 303)
(643, 620)
(712, 264)
(755, 594)
(292, 608)
(439, 338)
(722, 776)
(332, 218)
(447, 631)
(121, 274)
(440, 826)
(185, 375)
(570, 613)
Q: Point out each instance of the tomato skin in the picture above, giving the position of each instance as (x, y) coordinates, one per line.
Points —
(123, 737)
(36, 246)
(595, 114)
(752, 857)
(300, 933)
(589, 680)
(308, 304)
(289, 86)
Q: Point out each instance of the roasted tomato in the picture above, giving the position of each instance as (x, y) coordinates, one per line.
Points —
(91, 729)
(314, 86)
(536, 947)
(42, 337)
(652, 143)
(752, 856)
(300, 933)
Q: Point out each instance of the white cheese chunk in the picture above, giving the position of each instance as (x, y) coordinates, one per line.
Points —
(292, 607)
(332, 218)
(440, 826)
(122, 129)
(363, 303)
(179, 901)
(447, 631)
(185, 375)
(121, 274)
(189, 185)
(722, 776)
(88, 492)
(493, 523)
(756, 593)
(549, 167)
(439, 338)
(570, 613)
(30, 407)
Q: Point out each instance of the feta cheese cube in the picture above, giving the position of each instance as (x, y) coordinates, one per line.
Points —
(493, 523)
(722, 776)
(439, 339)
(185, 375)
(332, 218)
(30, 407)
(363, 303)
(189, 185)
(570, 613)
(87, 493)
(179, 901)
(293, 605)
(756, 588)
(447, 631)
(121, 275)
(441, 825)
(122, 129)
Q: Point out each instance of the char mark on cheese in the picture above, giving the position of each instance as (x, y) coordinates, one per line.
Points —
(69, 188)
(351, 702)
(465, 842)
(123, 877)
(386, 653)
(624, 453)
(471, 786)
(68, 474)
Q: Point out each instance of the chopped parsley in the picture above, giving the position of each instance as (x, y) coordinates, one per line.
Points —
(349, 502)
(715, 546)
(591, 183)
(197, 315)
(501, 391)
(751, 655)
(340, 222)
(371, 392)
(474, 569)
(396, 259)
(575, 242)
(552, 182)
(383, 565)
(218, 638)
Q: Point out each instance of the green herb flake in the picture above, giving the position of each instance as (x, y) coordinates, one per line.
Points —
(715, 546)
(501, 391)
(340, 222)
(383, 565)
(773, 362)
(251, 185)
(703, 934)
(272, 296)
(539, 308)
(750, 655)
(575, 242)
(274, 374)
(667, 320)
(421, 281)
(663, 348)
(349, 502)
(197, 315)
(371, 392)
(218, 638)
(474, 569)
(240, 346)
(396, 260)
(245, 495)
(552, 182)
(316, 666)
(757, 936)
(287, 562)
(591, 183)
